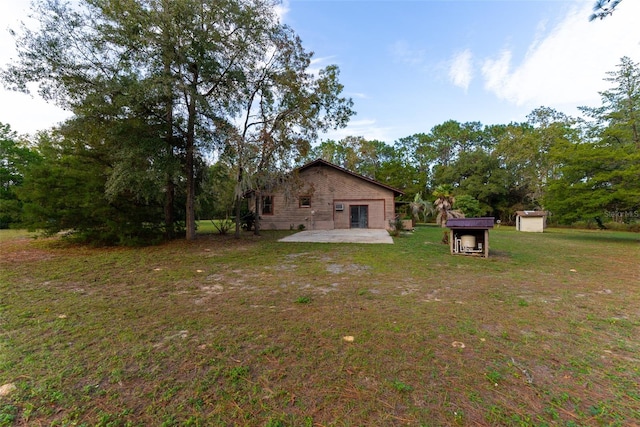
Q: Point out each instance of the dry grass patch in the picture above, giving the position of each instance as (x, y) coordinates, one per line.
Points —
(252, 332)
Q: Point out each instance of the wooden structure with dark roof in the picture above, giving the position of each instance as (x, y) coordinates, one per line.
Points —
(470, 236)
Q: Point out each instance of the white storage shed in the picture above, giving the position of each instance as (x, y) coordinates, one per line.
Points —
(531, 221)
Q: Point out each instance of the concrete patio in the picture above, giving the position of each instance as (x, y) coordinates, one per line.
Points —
(353, 235)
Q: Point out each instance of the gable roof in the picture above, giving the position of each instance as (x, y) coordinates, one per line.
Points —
(321, 162)
(481, 222)
(531, 213)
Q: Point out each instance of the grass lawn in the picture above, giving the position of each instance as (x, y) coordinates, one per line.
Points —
(249, 331)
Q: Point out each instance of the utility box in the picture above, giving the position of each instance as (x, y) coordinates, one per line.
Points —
(470, 236)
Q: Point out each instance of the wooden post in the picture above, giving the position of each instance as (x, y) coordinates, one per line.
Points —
(486, 243)
(451, 241)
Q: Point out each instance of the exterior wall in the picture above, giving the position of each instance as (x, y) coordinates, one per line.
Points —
(328, 186)
(376, 208)
(530, 224)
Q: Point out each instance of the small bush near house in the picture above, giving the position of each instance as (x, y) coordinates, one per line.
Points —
(395, 227)
(223, 225)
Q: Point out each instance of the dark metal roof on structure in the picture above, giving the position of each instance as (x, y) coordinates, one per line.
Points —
(321, 162)
(478, 223)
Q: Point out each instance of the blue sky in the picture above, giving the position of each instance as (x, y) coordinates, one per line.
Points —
(410, 65)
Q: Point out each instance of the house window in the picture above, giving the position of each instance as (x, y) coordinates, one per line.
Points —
(305, 201)
(267, 205)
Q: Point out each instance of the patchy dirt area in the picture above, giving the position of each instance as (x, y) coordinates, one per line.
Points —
(22, 250)
(221, 330)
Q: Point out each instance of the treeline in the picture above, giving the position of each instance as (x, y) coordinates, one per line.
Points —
(180, 110)
(580, 170)
(158, 89)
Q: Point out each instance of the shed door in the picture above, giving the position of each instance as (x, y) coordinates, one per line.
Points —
(360, 216)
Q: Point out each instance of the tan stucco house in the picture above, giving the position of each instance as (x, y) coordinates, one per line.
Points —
(329, 197)
(531, 221)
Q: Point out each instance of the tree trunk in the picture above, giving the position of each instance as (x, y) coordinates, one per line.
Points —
(238, 202)
(191, 191)
(258, 210)
(169, 218)
(190, 156)
(169, 197)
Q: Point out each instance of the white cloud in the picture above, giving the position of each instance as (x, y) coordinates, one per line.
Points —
(318, 64)
(566, 67)
(282, 9)
(24, 113)
(496, 73)
(402, 52)
(28, 114)
(358, 95)
(366, 128)
(461, 69)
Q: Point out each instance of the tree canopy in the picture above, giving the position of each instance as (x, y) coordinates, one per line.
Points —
(156, 85)
(186, 106)
(603, 8)
(600, 175)
(16, 157)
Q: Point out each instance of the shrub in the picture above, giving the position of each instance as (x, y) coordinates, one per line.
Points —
(223, 225)
(248, 221)
(395, 227)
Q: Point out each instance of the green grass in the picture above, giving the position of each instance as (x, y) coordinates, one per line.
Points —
(249, 331)
(15, 234)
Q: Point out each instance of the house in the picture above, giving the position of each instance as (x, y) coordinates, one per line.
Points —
(328, 197)
(531, 221)
(469, 236)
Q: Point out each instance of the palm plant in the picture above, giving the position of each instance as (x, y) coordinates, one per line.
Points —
(443, 206)
(420, 207)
